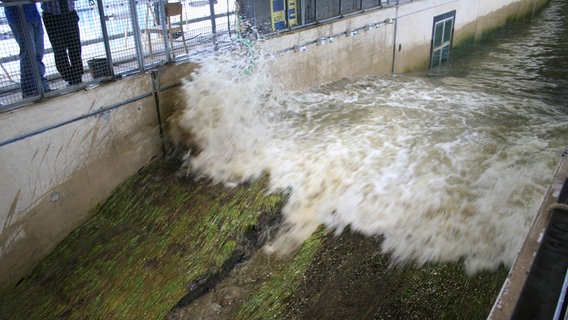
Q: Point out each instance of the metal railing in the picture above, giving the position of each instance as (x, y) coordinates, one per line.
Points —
(121, 37)
(115, 41)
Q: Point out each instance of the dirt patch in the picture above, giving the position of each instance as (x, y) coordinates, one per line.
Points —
(350, 279)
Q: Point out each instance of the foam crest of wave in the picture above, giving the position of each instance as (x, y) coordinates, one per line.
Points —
(442, 173)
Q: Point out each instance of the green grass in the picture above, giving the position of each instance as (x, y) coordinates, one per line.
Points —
(269, 301)
(137, 254)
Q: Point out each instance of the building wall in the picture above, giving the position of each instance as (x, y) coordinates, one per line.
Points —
(399, 46)
(61, 157)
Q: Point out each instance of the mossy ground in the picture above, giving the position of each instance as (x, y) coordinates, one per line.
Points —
(159, 237)
(349, 278)
(141, 250)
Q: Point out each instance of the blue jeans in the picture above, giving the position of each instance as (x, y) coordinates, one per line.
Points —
(28, 81)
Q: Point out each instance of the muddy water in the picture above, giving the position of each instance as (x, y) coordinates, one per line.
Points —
(447, 166)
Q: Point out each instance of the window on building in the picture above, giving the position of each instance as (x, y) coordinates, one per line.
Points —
(442, 35)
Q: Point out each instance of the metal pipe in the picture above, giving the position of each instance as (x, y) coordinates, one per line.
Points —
(316, 10)
(228, 21)
(105, 35)
(303, 12)
(394, 38)
(85, 116)
(155, 92)
(213, 23)
(136, 33)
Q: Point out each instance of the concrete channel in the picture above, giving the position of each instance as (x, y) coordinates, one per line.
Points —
(99, 221)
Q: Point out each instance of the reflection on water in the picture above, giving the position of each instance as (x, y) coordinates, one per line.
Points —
(447, 167)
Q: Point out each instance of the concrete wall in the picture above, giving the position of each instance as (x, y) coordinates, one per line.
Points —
(61, 157)
(51, 180)
(400, 46)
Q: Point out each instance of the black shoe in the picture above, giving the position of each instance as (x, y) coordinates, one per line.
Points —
(73, 83)
(30, 95)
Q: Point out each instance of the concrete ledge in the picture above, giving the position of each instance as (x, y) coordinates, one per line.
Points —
(513, 286)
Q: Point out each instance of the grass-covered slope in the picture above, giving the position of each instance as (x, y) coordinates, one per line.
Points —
(143, 250)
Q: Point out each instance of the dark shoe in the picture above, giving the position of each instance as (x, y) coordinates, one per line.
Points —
(30, 95)
(73, 83)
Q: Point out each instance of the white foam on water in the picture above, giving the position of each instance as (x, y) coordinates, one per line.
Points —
(442, 172)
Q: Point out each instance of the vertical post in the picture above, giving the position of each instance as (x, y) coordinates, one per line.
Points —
(162, 17)
(286, 15)
(106, 40)
(394, 37)
(316, 10)
(303, 12)
(213, 23)
(156, 91)
(136, 34)
(229, 20)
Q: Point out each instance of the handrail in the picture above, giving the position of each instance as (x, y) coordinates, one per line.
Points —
(123, 30)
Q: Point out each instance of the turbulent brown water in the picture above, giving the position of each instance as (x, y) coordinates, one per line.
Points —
(448, 165)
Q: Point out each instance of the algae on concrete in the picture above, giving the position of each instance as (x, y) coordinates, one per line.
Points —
(269, 302)
(142, 250)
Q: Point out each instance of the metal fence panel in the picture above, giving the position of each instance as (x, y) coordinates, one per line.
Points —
(117, 37)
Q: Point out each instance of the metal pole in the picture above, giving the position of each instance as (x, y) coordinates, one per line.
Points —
(303, 12)
(394, 40)
(286, 14)
(213, 23)
(228, 20)
(164, 23)
(156, 92)
(316, 11)
(105, 35)
(136, 34)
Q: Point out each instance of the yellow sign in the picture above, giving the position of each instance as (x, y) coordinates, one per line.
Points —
(278, 14)
(292, 13)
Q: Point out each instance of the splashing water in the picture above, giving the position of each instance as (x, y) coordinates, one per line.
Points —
(442, 172)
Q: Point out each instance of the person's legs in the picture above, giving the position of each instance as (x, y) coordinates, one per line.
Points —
(36, 34)
(27, 82)
(74, 47)
(56, 31)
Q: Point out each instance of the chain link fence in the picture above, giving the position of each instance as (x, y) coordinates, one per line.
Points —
(53, 47)
(58, 46)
